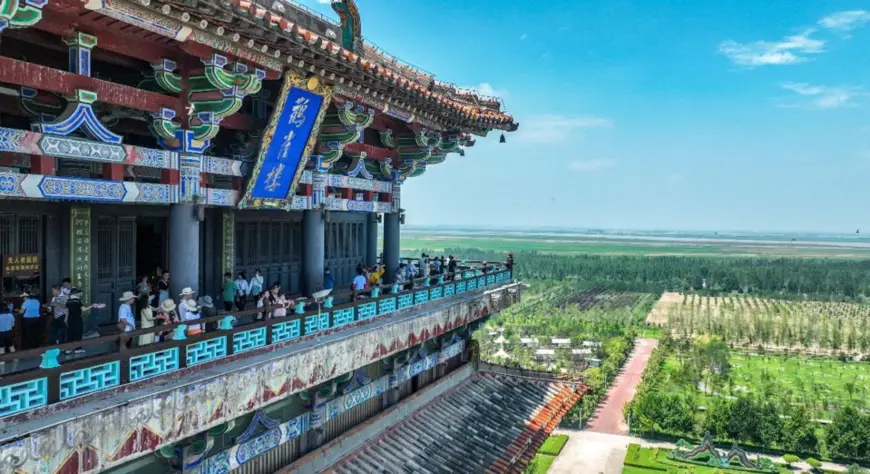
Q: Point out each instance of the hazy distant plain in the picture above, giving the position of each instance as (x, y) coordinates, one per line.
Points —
(649, 243)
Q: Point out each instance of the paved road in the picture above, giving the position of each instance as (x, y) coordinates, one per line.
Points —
(608, 417)
(591, 453)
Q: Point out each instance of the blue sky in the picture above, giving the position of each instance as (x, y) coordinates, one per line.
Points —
(647, 114)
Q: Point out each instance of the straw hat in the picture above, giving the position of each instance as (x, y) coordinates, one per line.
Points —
(191, 305)
(24, 295)
(168, 305)
(127, 296)
(187, 291)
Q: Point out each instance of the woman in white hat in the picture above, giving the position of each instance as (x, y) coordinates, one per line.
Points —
(191, 314)
(126, 320)
(186, 294)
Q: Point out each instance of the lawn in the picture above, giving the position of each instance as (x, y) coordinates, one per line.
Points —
(553, 445)
(540, 465)
(547, 454)
(824, 383)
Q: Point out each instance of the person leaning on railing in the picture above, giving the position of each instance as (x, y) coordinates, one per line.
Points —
(126, 320)
(359, 283)
(75, 310)
(147, 317)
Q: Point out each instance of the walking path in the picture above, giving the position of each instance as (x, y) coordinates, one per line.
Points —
(602, 447)
(608, 418)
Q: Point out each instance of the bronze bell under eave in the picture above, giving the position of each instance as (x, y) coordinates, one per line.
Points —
(501, 139)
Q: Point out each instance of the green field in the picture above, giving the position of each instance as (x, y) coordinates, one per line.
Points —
(573, 245)
(824, 384)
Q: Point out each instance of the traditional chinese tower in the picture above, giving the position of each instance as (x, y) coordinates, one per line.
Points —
(214, 136)
(226, 131)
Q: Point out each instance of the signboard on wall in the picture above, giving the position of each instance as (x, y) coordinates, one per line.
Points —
(80, 252)
(287, 143)
(228, 242)
(21, 265)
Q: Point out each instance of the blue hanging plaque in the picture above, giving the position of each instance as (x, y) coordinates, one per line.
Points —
(286, 148)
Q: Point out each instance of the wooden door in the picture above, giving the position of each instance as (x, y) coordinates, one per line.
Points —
(115, 261)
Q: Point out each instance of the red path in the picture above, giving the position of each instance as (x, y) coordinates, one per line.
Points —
(608, 417)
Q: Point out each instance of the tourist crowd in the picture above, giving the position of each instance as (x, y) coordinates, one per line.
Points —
(151, 304)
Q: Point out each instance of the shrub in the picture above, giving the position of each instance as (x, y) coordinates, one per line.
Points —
(815, 464)
(790, 459)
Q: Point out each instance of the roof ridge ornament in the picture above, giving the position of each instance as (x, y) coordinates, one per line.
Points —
(351, 28)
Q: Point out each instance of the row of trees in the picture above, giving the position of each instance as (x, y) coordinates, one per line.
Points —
(807, 324)
(764, 419)
(816, 277)
(616, 350)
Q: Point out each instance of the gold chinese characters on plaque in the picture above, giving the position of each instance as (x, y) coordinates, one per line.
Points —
(21, 265)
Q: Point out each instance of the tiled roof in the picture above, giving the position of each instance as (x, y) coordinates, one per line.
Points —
(372, 63)
(491, 423)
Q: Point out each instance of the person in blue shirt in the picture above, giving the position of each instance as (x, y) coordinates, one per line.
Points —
(33, 328)
(7, 322)
(328, 280)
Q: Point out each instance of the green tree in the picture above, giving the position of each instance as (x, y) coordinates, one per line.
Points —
(849, 435)
(799, 432)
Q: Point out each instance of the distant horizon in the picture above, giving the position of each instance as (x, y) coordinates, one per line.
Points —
(625, 230)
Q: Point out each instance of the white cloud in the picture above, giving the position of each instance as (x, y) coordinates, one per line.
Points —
(846, 21)
(485, 88)
(825, 97)
(556, 128)
(790, 50)
(523, 36)
(587, 166)
(325, 2)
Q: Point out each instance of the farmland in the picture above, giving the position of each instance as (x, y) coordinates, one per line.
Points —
(808, 326)
(604, 300)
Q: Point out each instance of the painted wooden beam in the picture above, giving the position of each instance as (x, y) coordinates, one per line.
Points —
(38, 186)
(44, 78)
(372, 152)
(45, 39)
(61, 22)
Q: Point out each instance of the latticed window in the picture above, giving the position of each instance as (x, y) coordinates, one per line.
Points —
(29, 233)
(295, 242)
(263, 249)
(7, 223)
(126, 251)
(106, 253)
(276, 254)
(19, 235)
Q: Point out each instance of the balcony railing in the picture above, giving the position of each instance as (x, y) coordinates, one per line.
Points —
(53, 382)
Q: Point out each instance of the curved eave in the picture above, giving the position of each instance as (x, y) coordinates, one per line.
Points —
(331, 59)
